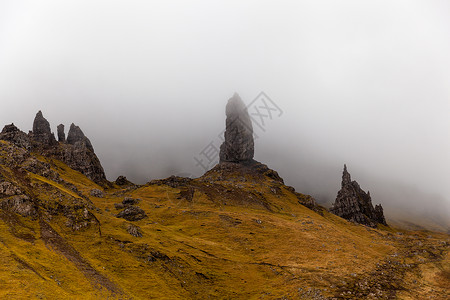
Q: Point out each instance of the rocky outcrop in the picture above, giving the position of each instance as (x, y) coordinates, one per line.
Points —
(41, 131)
(77, 151)
(355, 205)
(132, 213)
(61, 134)
(122, 180)
(14, 135)
(238, 145)
(79, 154)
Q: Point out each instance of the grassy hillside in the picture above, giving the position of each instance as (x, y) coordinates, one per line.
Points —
(234, 233)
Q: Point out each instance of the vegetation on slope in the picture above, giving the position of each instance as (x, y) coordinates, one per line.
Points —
(237, 232)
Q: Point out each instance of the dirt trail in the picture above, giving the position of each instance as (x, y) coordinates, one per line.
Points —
(53, 239)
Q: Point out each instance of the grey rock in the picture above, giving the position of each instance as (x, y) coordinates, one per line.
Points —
(355, 205)
(97, 193)
(238, 145)
(9, 189)
(61, 134)
(14, 135)
(79, 154)
(122, 180)
(132, 213)
(134, 230)
(127, 201)
(130, 201)
(76, 135)
(20, 204)
(41, 131)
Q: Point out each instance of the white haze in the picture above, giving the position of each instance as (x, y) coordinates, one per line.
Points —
(364, 83)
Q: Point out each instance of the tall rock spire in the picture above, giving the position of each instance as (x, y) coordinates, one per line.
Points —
(238, 145)
(61, 134)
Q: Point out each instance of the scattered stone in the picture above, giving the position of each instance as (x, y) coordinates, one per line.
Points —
(61, 134)
(353, 204)
(238, 145)
(9, 189)
(134, 230)
(130, 201)
(126, 202)
(97, 193)
(132, 213)
(20, 204)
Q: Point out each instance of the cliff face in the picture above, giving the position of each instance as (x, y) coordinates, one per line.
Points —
(355, 205)
(77, 151)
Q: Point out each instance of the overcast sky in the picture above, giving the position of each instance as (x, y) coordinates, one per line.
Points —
(364, 83)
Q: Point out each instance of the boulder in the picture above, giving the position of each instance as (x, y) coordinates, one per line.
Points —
(132, 213)
(97, 193)
(134, 230)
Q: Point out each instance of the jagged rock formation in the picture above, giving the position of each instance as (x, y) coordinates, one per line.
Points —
(61, 134)
(77, 151)
(41, 131)
(79, 154)
(355, 205)
(238, 145)
(14, 135)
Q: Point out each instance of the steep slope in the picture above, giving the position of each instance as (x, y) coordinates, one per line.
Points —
(236, 232)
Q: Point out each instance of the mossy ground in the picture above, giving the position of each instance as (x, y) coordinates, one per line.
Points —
(216, 247)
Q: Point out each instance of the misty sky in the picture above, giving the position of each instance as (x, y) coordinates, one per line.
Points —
(364, 83)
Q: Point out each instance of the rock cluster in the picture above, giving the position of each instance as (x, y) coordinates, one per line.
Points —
(238, 145)
(355, 205)
(77, 151)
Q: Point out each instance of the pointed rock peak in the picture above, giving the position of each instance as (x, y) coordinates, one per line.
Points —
(76, 135)
(10, 128)
(41, 131)
(40, 124)
(238, 145)
(346, 178)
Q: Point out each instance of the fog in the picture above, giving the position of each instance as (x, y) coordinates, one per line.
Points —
(364, 83)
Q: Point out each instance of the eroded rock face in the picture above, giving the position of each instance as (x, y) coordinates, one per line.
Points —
(79, 154)
(238, 145)
(14, 135)
(355, 205)
(75, 135)
(61, 134)
(41, 131)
